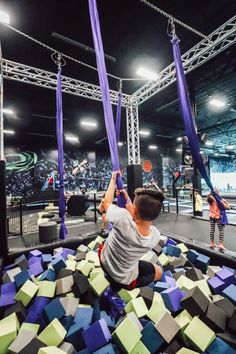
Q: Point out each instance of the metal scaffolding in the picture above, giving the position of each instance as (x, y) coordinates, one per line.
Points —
(215, 43)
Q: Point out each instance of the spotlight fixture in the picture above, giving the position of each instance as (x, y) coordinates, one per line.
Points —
(230, 147)
(179, 138)
(144, 132)
(8, 132)
(216, 154)
(120, 143)
(87, 123)
(209, 143)
(4, 17)
(8, 111)
(178, 150)
(72, 138)
(218, 102)
(152, 147)
(147, 74)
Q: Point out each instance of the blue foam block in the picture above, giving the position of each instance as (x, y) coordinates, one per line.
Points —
(54, 310)
(165, 274)
(192, 255)
(33, 260)
(46, 258)
(83, 317)
(226, 276)
(36, 309)
(84, 351)
(35, 253)
(67, 322)
(109, 321)
(97, 335)
(108, 349)
(173, 251)
(49, 275)
(216, 284)
(151, 285)
(160, 286)
(230, 293)
(202, 262)
(218, 346)
(170, 241)
(66, 252)
(74, 336)
(58, 263)
(21, 277)
(151, 338)
(7, 294)
(164, 249)
(176, 270)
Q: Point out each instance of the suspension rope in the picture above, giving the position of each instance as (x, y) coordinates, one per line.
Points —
(171, 18)
(54, 50)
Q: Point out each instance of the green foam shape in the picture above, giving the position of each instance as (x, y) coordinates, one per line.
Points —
(84, 267)
(183, 320)
(185, 283)
(85, 306)
(32, 327)
(182, 247)
(70, 257)
(99, 284)
(139, 307)
(92, 257)
(199, 334)
(127, 342)
(203, 286)
(70, 295)
(8, 332)
(53, 334)
(186, 351)
(46, 288)
(82, 248)
(71, 264)
(99, 239)
(156, 311)
(163, 259)
(94, 273)
(26, 292)
(92, 245)
(128, 295)
(140, 349)
(51, 350)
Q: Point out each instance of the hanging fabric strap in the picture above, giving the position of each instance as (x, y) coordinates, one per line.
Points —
(62, 204)
(118, 116)
(189, 125)
(107, 108)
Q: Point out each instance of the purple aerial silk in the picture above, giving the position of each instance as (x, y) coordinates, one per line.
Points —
(62, 204)
(190, 127)
(106, 100)
(118, 116)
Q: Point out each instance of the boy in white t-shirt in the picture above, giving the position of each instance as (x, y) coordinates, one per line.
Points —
(132, 236)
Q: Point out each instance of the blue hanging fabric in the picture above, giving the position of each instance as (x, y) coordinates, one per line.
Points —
(62, 204)
(107, 108)
(118, 116)
(190, 127)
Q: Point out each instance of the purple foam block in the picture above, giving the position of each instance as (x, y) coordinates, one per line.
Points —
(35, 253)
(216, 284)
(66, 252)
(33, 260)
(170, 242)
(8, 293)
(36, 268)
(226, 276)
(170, 281)
(97, 335)
(36, 309)
(172, 298)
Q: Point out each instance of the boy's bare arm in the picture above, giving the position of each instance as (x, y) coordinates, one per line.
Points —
(109, 196)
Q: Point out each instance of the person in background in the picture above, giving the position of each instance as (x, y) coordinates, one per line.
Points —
(215, 218)
(132, 235)
(198, 203)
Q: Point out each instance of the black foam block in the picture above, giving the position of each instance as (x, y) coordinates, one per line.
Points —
(173, 347)
(32, 347)
(226, 306)
(80, 256)
(88, 298)
(147, 295)
(232, 324)
(81, 284)
(169, 267)
(63, 273)
(195, 302)
(19, 309)
(194, 274)
(215, 318)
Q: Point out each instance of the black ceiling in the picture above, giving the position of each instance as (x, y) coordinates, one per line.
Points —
(135, 35)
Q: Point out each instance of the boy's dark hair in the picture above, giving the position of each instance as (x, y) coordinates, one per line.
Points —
(210, 199)
(149, 203)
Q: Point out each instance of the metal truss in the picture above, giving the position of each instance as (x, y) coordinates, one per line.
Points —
(216, 42)
(37, 77)
(132, 122)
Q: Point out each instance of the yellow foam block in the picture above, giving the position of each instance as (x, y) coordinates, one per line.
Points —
(182, 247)
(156, 311)
(84, 267)
(32, 327)
(185, 283)
(186, 351)
(71, 264)
(138, 306)
(51, 350)
(26, 292)
(99, 284)
(128, 295)
(163, 259)
(46, 288)
(53, 334)
(8, 332)
(199, 334)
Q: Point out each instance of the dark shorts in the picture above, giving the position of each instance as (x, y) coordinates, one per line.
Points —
(146, 275)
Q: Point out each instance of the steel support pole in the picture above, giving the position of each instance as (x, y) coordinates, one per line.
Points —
(3, 204)
(133, 146)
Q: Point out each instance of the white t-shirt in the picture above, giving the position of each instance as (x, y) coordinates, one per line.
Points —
(125, 246)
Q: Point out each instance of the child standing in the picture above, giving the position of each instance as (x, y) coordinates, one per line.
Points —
(215, 218)
(132, 235)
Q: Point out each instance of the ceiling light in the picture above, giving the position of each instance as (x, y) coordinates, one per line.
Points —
(179, 138)
(8, 132)
(230, 147)
(152, 147)
(4, 17)
(209, 143)
(217, 102)
(147, 74)
(216, 154)
(144, 132)
(86, 123)
(8, 111)
(120, 143)
(178, 150)
(72, 138)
